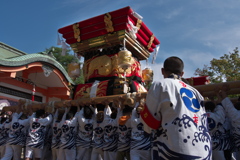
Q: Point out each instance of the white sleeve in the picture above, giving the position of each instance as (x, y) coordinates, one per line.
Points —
(134, 114)
(219, 114)
(63, 119)
(20, 114)
(232, 112)
(94, 114)
(74, 121)
(14, 117)
(152, 103)
(56, 115)
(81, 111)
(47, 120)
(134, 111)
(107, 112)
(92, 108)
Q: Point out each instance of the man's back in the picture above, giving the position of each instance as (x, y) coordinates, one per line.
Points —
(182, 131)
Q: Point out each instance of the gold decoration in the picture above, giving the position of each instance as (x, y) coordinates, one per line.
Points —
(124, 58)
(139, 23)
(147, 74)
(150, 42)
(76, 31)
(125, 61)
(102, 65)
(108, 22)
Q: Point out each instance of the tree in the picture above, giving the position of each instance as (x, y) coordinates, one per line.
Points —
(226, 68)
(64, 60)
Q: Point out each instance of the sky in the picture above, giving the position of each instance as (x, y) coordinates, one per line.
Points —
(194, 30)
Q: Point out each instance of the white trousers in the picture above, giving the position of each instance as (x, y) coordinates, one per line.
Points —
(83, 153)
(33, 152)
(47, 153)
(2, 151)
(54, 153)
(66, 154)
(97, 154)
(218, 155)
(110, 155)
(12, 151)
(140, 154)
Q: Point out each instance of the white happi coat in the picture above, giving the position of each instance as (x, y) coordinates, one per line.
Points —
(4, 131)
(234, 116)
(98, 132)
(69, 132)
(38, 131)
(124, 135)
(110, 131)
(174, 110)
(219, 129)
(18, 130)
(140, 140)
(85, 130)
(56, 132)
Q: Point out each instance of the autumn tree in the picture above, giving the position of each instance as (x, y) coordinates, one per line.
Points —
(226, 68)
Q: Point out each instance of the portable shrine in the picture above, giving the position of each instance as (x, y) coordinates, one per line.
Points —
(112, 45)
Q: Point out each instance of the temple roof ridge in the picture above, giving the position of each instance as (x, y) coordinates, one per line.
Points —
(34, 57)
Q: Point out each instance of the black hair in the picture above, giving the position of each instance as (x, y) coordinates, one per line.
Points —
(237, 105)
(40, 113)
(69, 115)
(3, 119)
(173, 65)
(87, 112)
(210, 106)
(23, 116)
(127, 109)
(100, 107)
(60, 115)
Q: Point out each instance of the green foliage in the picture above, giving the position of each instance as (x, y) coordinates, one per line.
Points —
(226, 68)
(64, 60)
(80, 79)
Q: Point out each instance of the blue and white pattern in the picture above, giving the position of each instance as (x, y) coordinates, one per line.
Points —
(4, 131)
(124, 136)
(140, 140)
(110, 131)
(234, 116)
(85, 131)
(219, 129)
(18, 130)
(38, 131)
(56, 134)
(69, 132)
(183, 133)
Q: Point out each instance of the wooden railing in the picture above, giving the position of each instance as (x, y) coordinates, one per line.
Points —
(209, 90)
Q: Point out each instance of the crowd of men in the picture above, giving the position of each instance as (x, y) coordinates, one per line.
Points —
(172, 122)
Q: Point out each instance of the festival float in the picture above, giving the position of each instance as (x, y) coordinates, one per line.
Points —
(112, 45)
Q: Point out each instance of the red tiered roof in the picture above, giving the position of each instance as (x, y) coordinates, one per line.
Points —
(119, 19)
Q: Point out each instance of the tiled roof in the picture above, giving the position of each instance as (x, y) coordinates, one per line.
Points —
(9, 51)
(31, 58)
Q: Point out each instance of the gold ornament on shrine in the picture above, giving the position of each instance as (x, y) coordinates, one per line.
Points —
(147, 75)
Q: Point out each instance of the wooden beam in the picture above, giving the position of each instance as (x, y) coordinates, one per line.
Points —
(209, 90)
(206, 90)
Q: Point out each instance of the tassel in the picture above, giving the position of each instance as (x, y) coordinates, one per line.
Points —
(33, 92)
